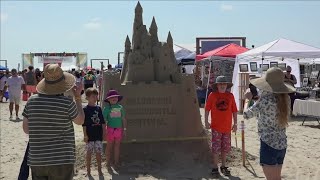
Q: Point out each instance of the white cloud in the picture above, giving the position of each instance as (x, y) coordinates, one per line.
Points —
(3, 17)
(93, 24)
(225, 7)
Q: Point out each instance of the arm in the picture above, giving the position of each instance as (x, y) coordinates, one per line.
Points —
(294, 79)
(79, 120)
(253, 110)
(235, 118)
(85, 135)
(207, 110)
(25, 125)
(124, 123)
(77, 93)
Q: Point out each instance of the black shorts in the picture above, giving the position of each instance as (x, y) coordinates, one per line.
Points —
(86, 86)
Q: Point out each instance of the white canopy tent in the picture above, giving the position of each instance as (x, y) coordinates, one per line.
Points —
(186, 58)
(182, 53)
(310, 61)
(281, 51)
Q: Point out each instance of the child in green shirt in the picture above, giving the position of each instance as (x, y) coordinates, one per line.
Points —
(116, 125)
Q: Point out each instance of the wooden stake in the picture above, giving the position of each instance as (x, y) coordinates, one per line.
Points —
(235, 137)
(243, 144)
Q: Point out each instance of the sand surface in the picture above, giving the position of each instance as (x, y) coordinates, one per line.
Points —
(302, 160)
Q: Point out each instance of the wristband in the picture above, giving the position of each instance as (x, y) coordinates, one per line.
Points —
(77, 98)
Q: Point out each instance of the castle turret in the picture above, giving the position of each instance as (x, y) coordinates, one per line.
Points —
(170, 41)
(127, 45)
(137, 24)
(127, 50)
(153, 30)
(138, 8)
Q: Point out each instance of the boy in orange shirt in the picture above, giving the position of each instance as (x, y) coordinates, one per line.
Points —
(223, 107)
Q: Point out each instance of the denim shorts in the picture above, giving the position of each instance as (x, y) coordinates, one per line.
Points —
(270, 156)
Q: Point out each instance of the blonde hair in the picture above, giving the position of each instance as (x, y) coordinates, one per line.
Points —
(283, 109)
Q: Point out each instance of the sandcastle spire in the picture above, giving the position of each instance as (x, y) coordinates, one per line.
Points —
(153, 25)
(127, 43)
(138, 7)
(153, 30)
(170, 40)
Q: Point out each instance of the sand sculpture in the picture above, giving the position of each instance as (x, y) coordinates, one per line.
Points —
(160, 102)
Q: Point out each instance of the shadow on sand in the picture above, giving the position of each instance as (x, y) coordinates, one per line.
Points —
(166, 160)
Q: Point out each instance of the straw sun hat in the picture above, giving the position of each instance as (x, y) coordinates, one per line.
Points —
(273, 82)
(55, 81)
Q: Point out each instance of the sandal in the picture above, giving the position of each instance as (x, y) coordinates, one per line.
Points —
(225, 171)
(215, 173)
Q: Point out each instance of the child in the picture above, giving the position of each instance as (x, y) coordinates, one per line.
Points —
(222, 106)
(93, 129)
(116, 125)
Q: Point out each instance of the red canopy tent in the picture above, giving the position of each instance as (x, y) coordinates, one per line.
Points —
(229, 50)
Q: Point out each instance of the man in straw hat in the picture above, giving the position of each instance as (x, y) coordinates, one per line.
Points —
(273, 108)
(223, 108)
(48, 118)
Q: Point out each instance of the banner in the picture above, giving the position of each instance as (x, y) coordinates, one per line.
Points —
(81, 61)
(55, 59)
(27, 60)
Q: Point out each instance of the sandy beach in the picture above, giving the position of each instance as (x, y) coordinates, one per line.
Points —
(302, 160)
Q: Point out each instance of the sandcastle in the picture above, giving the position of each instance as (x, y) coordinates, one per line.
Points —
(160, 102)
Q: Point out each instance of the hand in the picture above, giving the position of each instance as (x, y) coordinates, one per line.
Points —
(234, 128)
(248, 96)
(207, 124)
(77, 89)
(124, 134)
(85, 139)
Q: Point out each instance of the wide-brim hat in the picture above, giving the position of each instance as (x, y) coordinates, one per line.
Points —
(113, 93)
(273, 81)
(222, 80)
(55, 81)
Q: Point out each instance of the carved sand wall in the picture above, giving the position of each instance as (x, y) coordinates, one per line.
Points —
(159, 101)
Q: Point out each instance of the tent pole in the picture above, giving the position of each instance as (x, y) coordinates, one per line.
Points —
(209, 75)
(262, 66)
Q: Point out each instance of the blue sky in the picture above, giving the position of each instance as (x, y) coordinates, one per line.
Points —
(100, 27)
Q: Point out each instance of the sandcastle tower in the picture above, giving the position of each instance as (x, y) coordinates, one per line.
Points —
(160, 102)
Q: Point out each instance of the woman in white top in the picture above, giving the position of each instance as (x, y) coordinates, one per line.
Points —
(273, 108)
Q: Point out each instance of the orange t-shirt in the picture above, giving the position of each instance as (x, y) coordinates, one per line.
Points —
(222, 106)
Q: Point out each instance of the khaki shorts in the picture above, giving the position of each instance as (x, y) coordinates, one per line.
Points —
(58, 172)
(15, 98)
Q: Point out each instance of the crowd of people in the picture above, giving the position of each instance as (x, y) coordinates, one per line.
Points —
(48, 117)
